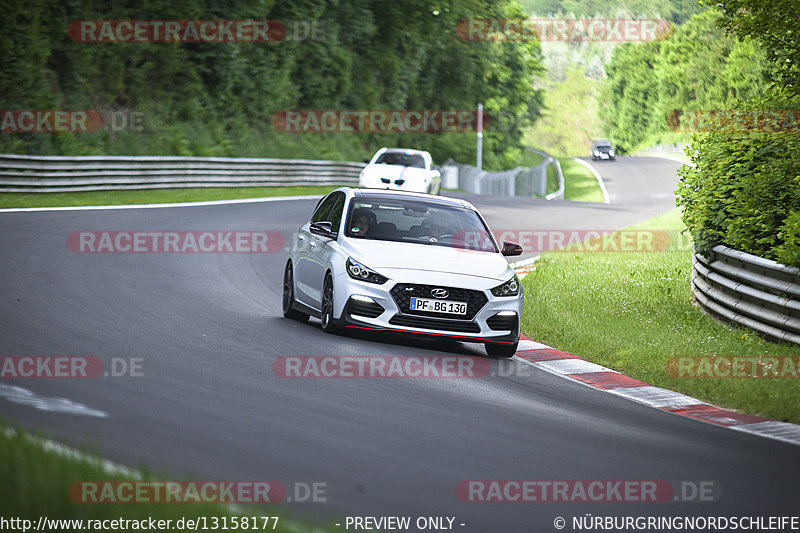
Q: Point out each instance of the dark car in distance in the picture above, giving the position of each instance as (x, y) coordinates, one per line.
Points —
(601, 149)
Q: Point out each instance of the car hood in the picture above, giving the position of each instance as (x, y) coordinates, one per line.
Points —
(400, 260)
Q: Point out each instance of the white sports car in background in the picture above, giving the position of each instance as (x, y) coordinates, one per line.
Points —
(401, 169)
(404, 262)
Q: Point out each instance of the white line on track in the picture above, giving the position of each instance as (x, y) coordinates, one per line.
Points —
(23, 396)
(597, 176)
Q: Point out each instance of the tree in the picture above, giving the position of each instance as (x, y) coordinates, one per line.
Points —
(774, 25)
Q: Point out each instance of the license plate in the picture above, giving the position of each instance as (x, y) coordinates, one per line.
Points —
(438, 306)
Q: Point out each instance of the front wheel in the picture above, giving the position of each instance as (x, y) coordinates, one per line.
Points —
(326, 316)
(494, 349)
(288, 296)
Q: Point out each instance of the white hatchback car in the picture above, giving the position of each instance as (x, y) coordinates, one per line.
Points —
(401, 169)
(403, 262)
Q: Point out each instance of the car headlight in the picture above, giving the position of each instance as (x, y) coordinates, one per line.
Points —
(509, 288)
(597, 152)
(611, 153)
(358, 271)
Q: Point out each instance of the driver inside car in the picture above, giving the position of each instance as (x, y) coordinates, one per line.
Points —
(437, 227)
(362, 222)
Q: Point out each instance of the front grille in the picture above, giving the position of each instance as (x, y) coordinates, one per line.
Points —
(369, 310)
(443, 324)
(502, 323)
(402, 297)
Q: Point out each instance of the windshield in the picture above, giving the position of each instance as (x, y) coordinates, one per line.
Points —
(406, 160)
(418, 222)
(603, 146)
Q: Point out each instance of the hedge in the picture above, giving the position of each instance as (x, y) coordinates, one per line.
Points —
(744, 190)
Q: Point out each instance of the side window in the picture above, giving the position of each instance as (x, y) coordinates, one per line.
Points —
(335, 214)
(321, 214)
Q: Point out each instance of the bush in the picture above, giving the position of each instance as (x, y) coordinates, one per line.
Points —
(744, 191)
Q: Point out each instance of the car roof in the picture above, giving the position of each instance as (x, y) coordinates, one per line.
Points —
(601, 141)
(387, 194)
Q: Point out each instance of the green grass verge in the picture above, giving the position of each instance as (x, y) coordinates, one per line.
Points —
(552, 179)
(580, 184)
(632, 312)
(153, 196)
(530, 159)
(36, 483)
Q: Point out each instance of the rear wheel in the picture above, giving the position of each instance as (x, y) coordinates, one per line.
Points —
(288, 296)
(494, 349)
(326, 316)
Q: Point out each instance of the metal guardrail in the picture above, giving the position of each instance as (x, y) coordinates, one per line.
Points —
(750, 291)
(665, 148)
(515, 182)
(27, 173)
(558, 194)
(476, 181)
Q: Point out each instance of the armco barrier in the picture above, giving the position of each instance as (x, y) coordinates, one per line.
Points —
(29, 173)
(558, 194)
(515, 182)
(750, 291)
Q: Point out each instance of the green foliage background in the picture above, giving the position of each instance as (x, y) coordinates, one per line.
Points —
(578, 103)
(744, 190)
(218, 99)
(698, 67)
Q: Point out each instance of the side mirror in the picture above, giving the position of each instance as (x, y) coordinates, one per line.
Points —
(366, 161)
(323, 229)
(511, 248)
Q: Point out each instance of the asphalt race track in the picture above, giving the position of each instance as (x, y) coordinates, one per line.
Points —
(208, 327)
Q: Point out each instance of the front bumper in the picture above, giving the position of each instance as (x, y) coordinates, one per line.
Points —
(366, 306)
